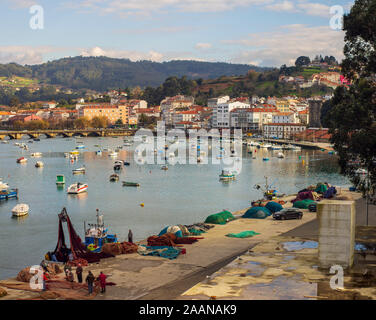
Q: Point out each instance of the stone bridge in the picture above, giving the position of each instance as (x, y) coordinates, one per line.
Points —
(34, 134)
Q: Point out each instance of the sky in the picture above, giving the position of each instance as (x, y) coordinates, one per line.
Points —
(259, 32)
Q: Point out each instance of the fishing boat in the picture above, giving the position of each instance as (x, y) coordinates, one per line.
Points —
(60, 179)
(77, 188)
(39, 164)
(226, 175)
(130, 184)
(164, 168)
(20, 210)
(36, 154)
(114, 177)
(266, 146)
(74, 152)
(81, 146)
(265, 159)
(113, 154)
(21, 160)
(7, 193)
(79, 170)
(96, 235)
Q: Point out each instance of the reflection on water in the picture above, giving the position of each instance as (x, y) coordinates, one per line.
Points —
(183, 194)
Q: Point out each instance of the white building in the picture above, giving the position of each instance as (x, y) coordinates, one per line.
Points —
(285, 117)
(282, 130)
(221, 112)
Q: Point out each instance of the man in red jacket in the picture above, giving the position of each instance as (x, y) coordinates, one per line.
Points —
(102, 280)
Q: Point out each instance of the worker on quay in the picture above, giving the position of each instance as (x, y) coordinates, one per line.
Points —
(90, 282)
(130, 236)
(102, 280)
(79, 271)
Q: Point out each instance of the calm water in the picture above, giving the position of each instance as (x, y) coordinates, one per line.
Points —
(182, 195)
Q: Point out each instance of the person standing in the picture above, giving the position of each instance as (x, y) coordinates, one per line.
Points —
(79, 271)
(130, 236)
(44, 280)
(90, 282)
(102, 280)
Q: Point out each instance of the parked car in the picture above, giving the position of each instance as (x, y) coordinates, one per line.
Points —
(312, 207)
(288, 213)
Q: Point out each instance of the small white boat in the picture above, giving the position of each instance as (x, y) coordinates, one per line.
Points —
(39, 164)
(112, 154)
(280, 155)
(36, 154)
(5, 142)
(226, 175)
(127, 144)
(164, 168)
(21, 160)
(296, 148)
(20, 210)
(276, 147)
(98, 153)
(66, 155)
(77, 188)
(79, 170)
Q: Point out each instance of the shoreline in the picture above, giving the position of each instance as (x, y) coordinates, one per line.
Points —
(135, 275)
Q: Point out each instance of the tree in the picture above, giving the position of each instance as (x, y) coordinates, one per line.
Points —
(352, 118)
(99, 122)
(82, 123)
(302, 61)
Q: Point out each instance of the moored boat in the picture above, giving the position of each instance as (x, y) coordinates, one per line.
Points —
(77, 188)
(36, 154)
(39, 164)
(226, 175)
(114, 177)
(130, 184)
(21, 160)
(20, 210)
(79, 170)
(60, 179)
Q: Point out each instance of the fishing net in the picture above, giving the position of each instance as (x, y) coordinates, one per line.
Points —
(160, 251)
(257, 213)
(244, 234)
(303, 204)
(220, 218)
(273, 206)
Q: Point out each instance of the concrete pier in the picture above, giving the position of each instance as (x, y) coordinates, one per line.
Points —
(336, 233)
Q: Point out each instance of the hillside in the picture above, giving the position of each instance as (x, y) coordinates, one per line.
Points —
(102, 73)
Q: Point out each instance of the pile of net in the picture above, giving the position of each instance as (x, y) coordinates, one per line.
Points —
(57, 289)
(244, 234)
(119, 248)
(166, 240)
(321, 188)
(220, 218)
(159, 251)
(78, 261)
(303, 195)
(273, 206)
(257, 213)
(3, 292)
(303, 204)
(198, 228)
(179, 230)
(330, 192)
(25, 275)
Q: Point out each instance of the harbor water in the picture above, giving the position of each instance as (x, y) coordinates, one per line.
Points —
(183, 194)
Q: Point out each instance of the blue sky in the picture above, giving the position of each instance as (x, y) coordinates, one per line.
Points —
(261, 32)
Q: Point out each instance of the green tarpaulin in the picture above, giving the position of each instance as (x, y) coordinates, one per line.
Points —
(220, 218)
(321, 188)
(303, 204)
(244, 234)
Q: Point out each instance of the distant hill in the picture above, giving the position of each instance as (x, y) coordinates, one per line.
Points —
(102, 73)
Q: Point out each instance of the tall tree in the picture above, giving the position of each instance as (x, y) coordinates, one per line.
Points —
(302, 61)
(352, 118)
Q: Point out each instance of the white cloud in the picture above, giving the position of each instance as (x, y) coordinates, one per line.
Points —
(20, 3)
(203, 46)
(314, 9)
(284, 45)
(24, 54)
(282, 6)
(132, 55)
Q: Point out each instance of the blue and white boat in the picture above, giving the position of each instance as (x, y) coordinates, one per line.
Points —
(96, 235)
(81, 146)
(7, 193)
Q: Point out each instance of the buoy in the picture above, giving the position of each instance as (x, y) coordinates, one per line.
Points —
(142, 205)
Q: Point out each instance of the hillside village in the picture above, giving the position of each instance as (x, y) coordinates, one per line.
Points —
(287, 116)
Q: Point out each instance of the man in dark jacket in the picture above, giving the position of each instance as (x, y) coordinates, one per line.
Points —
(79, 271)
(90, 282)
